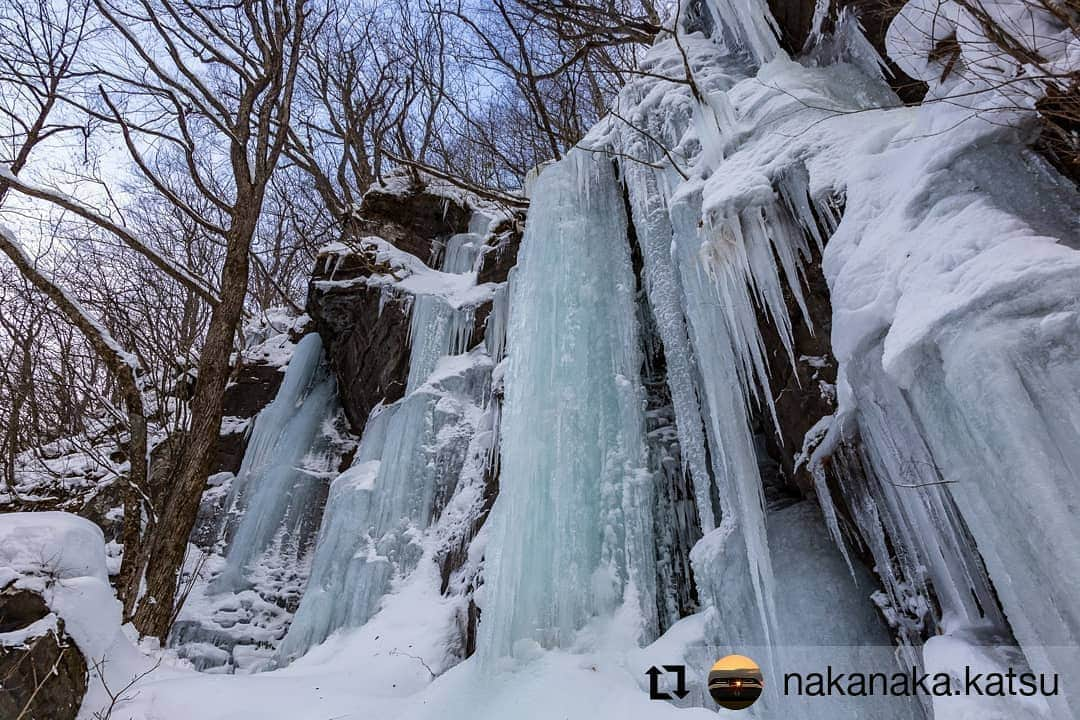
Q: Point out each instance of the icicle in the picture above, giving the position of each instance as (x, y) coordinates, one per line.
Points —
(654, 234)
(462, 253)
(495, 332)
(794, 187)
(747, 25)
(480, 224)
(435, 330)
(339, 259)
(828, 510)
(711, 320)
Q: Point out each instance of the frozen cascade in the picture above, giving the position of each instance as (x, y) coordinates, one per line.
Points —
(742, 25)
(275, 490)
(947, 453)
(708, 275)
(338, 564)
(416, 455)
(924, 446)
(495, 332)
(676, 527)
(462, 251)
(718, 554)
(649, 210)
(705, 317)
(570, 536)
(436, 329)
(956, 387)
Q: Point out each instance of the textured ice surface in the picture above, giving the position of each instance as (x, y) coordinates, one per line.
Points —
(418, 469)
(953, 274)
(240, 594)
(274, 493)
(571, 531)
(824, 618)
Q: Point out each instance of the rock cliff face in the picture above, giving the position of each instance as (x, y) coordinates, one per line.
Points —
(365, 328)
(367, 342)
(366, 333)
(805, 393)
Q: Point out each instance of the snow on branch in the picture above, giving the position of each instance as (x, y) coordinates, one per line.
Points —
(67, 202)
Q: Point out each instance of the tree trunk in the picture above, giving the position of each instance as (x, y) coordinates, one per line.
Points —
(135, 493)
(21, 388)
(168, 545)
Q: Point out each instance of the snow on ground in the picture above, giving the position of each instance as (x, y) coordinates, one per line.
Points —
(384, 669)
(371, 684)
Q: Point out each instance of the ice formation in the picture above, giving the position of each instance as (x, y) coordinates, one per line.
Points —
(571, 531)
(275, 489)
(417, 456)
(630, 495)
(764, 163)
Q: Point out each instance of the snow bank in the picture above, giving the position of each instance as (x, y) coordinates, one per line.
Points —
(56, 545)
(62, 557)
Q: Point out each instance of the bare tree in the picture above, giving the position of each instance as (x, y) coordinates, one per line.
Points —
(123, 367)
(228, 83)
(38, 56)
(353, 87)
(21, 322)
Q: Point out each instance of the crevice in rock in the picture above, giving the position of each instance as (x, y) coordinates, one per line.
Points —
(676, 525)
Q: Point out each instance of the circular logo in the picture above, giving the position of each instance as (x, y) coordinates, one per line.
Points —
(735, 682)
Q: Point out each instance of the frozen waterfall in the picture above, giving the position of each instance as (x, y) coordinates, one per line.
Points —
(683, 230)
(415, 456)
(277, 486)
(571, 531)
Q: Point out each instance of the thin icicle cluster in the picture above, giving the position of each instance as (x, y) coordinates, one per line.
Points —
(932, 225)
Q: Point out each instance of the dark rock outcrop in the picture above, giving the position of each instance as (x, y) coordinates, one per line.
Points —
(44, 677)
(805, 393)
(411, 221)
(500, 259)
(366, 335)
(368, 347)
(795, 20)
(253, 388)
